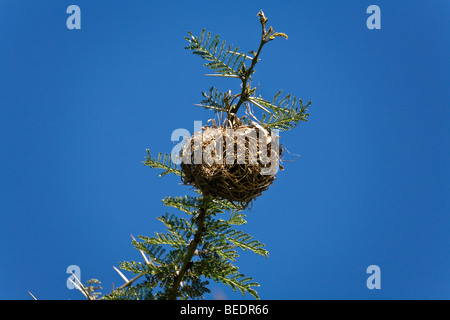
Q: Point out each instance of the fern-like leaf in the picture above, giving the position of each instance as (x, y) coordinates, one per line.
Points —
(225, 61)
(284, 114)
(226, 205)
(214, 100)
(175, 223)
(186, 204)
(162, 162)
(245, 242)
(156, 252)
(173, 239)
(241, 282)
(237, 218)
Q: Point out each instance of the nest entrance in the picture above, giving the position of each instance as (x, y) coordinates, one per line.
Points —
(236, 163)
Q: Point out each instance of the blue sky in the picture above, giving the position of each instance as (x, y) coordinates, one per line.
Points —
(79, 108)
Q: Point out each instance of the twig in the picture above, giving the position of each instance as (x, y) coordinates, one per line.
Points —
(191, 251)
(126, 284)
(245, 93)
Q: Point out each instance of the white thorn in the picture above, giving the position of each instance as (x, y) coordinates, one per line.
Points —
(121, 274)
(32, 295)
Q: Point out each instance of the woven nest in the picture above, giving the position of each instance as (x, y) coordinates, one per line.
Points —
(235, 163)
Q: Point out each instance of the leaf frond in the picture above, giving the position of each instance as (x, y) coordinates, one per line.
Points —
(241, 282)
(162, 162)
(284, 114)
(245, 242)
(225, 62)
(187, 204)
(214, 100)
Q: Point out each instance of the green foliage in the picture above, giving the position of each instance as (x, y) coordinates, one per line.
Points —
(164, 253)
(280, 113)
(91, 289)
(215, 100)
(162, 162)
(204, 243)
(284, 114)
(223, 60)
(212, 258)
(241, 282)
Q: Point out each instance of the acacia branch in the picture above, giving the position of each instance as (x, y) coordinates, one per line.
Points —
(191, 251)
(245, 90)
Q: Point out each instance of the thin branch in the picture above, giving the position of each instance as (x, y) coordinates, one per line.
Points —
(266, 36)
(126, 284)
(245, 94)
(191, 251)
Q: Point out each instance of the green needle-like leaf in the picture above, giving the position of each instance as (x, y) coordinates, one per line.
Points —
(162, 163)
(226, 62)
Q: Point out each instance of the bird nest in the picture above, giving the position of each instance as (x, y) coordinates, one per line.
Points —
(233, 162)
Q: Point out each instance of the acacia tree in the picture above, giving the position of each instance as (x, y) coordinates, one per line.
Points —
(203, 244)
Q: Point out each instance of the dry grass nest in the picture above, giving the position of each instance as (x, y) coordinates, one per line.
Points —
(233, 162)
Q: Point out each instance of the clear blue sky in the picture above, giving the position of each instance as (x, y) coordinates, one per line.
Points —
(79, 108)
